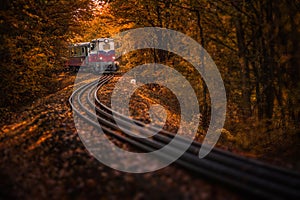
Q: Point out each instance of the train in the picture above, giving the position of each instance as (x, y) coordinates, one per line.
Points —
(97, 56)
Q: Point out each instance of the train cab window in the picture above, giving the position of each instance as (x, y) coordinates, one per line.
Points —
(82, 50)
(106, 46)
(93, 47)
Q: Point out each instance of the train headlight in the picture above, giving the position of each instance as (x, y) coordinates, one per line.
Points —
(101, 58)
(113, 57)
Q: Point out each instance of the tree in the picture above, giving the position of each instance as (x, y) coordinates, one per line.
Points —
(34, 36)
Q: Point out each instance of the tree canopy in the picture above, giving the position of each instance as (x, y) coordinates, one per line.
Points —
(255, 45)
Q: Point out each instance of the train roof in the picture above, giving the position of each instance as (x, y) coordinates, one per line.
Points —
(82, 44)
(102, 39)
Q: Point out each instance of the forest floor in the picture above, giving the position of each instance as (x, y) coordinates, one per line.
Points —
(42, 157)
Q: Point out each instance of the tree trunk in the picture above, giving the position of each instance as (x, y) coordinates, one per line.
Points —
(244, 63)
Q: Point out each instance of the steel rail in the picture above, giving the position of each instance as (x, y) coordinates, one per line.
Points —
(249, 176)
(109, 111)
(247, 165)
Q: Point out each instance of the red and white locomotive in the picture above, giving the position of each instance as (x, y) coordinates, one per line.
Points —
(96, 56)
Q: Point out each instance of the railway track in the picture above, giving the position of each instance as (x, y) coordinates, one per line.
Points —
(246, 176)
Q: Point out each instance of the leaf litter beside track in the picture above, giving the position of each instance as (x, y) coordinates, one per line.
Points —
(42, 157)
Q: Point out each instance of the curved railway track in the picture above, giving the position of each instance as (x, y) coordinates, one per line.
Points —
(247, 176)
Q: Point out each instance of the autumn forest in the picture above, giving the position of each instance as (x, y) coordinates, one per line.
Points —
(255, 45)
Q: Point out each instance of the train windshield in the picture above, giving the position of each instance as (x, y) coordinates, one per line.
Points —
(93, 47)
(106, 46)
(101, 45)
